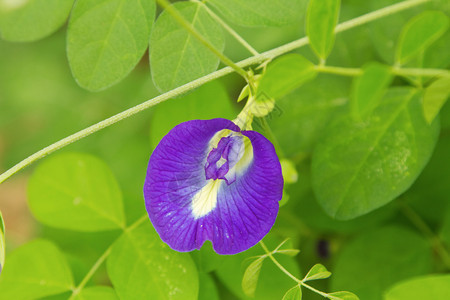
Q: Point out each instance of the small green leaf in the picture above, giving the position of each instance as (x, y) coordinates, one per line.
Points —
(76, 191)
(360, 166)
(244, 93)
(370, 254)
(35, 270)
(318, 271)
(256, 13)
(288, 252)
(321, 19)
(368, 89)
(177, 57)
(343, 295)
(141, 266)
(419, 33)
(106, 39)
(426, 287)
(2, 243)
(436, 94)
(30, 20)
(294, 293)
(290, 174)
(97, 293)
(251, 276)
(284, 75)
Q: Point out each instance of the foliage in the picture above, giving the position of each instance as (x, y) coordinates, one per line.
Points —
(358, 115)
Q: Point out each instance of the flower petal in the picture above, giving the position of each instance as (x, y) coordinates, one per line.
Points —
(186, 208)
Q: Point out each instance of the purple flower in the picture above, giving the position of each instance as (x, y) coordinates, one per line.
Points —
(208, 180)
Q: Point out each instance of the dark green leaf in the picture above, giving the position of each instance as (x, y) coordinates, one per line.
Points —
(254, 13)
(318, 271)
(436, 94)
(294, 293)
(26, 21)
(106, 39)
(419, 33)
(360, 166)
(97, 293)
(343, 295)
(207, 102)
(426, 287)
(285, 75)
(251, 276)
(208, 289)
(141, 266)
(321, 19)
(206, 259)
(76, 191)
(368, 89)
(35, 270)
(176, 56)
(380, 258)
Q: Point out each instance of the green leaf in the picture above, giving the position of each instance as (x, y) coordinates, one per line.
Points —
(360, 166)
(381, 258)
(420, 32)
(97, 293)
(369, 88)
(318, 271)
(302, 116)
(294, 293)
(343, 295)
(141, 266)
(106, 39)
(207, 102)
(206, 259)
(321, 19)
(251, 276)
(289, 252)
(177, 57)
(272, 283)
(76, 191)
(436, 94)
(30, 20)
(208, 289)
(284, 75)
(257, 13)
(426, 287)
(36, 269)
(2, 242)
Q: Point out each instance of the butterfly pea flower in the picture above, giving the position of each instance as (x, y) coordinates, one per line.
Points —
(208, 180)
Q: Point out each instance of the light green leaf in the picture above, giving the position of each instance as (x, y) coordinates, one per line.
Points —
(436, 94)
(251, 276)
(106, 39)
(141, 266)
(294, 293)
(177, 57)
(284, 75)
(426, 287)
(30, 20)
(289, 172)
(256, 13)
(368, 89)
(321, 19)
(2, 243)
(371, 256)
(420, 32)
(289, 252)
(35, 270)
(97, 293)
(318, 271)
(343, 295)
(208, 289)
(360, 166)
(76, 191)
(207, 102)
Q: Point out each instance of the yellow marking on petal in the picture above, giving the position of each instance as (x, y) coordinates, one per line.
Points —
(246, 158)
(206, 199)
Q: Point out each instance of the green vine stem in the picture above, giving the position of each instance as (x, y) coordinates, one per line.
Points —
(404, 72)
(364, 19)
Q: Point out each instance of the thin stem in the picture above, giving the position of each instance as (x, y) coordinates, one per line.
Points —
(426, 231)
(198, 82)
(102, 259)
(228, 28)
(404, 72)
(191, 29)
(272, 137)
(339, 70)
